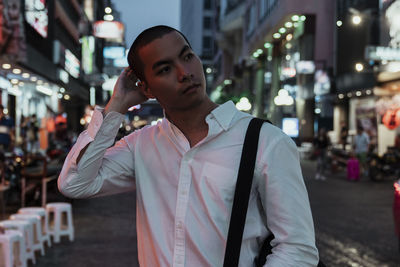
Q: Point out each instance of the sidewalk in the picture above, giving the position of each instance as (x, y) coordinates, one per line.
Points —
(105, 235)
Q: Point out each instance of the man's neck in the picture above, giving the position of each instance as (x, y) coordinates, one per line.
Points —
(192, 122)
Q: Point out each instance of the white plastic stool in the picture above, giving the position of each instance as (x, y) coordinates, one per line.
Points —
(56, 226)
(12, 244)
(37, 229)
(26, 228)
(44, 219)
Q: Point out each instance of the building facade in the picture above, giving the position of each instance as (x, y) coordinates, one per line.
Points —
(47, 53)
(283, 47)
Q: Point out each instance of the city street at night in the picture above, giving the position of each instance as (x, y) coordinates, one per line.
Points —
(171, 133)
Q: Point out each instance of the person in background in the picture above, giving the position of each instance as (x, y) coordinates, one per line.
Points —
(32, 135)
(361, 147)
(7, 135)
(24, 129)
(344, 133)
(321, 144)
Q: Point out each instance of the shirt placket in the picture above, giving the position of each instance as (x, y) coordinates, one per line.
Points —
(181, 208)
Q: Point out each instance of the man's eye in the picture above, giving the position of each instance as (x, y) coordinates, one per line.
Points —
(189, 56)
(163, 70)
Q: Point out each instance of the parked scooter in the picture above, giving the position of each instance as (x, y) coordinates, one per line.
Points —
(386, 166)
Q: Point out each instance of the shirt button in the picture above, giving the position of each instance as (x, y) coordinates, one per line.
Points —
(184, 193)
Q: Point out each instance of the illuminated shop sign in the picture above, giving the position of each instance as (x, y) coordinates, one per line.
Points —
(322, 83)
(392, 16)
(87, 54)
(72, 64)
(63, 76)
(289, 72)
(114, 52)
(108, 29)
(36, 15)
(382, 53)
(290, 126)
(88, 8)
(305, 67)
(121, 62)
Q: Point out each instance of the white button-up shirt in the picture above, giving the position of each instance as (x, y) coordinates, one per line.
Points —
(185, 194)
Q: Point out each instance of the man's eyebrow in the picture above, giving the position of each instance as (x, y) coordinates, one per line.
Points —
(167, 61)
(184, 49)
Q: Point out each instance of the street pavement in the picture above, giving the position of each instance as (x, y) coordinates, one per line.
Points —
(353, 222)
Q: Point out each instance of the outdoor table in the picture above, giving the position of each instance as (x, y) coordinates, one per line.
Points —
(43, 173)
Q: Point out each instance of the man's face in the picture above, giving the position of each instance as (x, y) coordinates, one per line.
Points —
(174, 74)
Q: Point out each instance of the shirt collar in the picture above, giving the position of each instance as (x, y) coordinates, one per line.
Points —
(224, 114)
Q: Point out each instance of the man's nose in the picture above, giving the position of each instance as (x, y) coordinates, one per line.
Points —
(184, 73)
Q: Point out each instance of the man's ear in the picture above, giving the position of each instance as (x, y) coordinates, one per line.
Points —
(144, 89)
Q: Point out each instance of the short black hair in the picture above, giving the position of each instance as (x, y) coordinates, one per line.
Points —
(144, 38)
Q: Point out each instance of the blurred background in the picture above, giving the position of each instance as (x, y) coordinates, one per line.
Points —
(304, 65)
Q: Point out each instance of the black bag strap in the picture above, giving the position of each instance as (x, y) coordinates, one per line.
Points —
(242, 193)
(241, 201)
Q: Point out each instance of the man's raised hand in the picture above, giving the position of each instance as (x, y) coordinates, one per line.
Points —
(126, 93)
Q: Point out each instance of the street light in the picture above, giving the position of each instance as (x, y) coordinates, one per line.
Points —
(356, 19)
(108, 17)
(283, 98)
(108, 10)
(243, 104)
(276, 35)
(359, 67)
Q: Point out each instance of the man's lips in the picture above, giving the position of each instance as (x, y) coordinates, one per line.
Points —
(193, 86)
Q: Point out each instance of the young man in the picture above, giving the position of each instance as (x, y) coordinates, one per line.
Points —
(184, 168)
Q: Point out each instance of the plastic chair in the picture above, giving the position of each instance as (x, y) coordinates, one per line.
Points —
(57, 227)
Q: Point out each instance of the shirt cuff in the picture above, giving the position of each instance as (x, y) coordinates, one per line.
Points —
(95, 122)
(109, 125)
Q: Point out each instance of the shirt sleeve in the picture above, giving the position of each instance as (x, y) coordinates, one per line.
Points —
(104, 169)
(285, 202)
